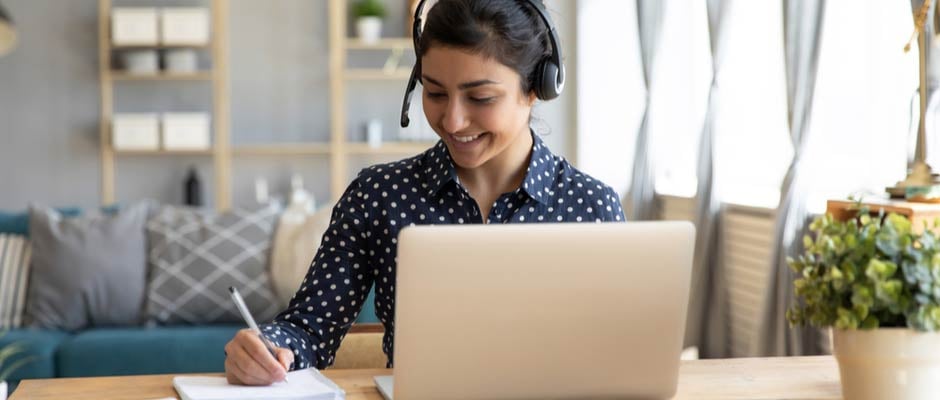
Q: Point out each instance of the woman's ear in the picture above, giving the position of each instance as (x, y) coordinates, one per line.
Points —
(531, 98)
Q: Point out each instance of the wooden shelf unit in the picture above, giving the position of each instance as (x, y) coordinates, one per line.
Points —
(338, 148)
(159, 46)
(163, 152)
(282, 149)
(196, 76)
(390, 148)
(217, 76)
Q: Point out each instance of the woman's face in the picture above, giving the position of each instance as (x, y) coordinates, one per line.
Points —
(475, 105)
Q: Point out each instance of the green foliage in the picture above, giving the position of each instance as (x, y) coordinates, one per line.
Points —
(6, 353)
(867, 272)
(369, 8)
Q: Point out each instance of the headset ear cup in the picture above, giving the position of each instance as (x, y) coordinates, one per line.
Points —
(547, 80)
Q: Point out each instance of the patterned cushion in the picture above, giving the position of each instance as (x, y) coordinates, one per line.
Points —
(194, 257)
(15, 254)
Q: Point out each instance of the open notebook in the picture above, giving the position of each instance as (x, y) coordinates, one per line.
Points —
(305, 384)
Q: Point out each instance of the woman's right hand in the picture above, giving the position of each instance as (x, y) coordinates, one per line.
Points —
(248, 361)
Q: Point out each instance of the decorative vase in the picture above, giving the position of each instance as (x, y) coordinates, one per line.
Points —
(887, 363)
(369, 29)
(3, 390)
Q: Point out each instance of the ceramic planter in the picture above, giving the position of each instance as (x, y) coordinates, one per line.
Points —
(887, 363)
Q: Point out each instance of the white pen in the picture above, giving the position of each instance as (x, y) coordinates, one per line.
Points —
(243, 309)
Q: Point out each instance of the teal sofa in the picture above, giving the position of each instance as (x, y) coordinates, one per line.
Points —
(128, 350)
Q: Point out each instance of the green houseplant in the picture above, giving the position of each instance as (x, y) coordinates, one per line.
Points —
(369, 14)
(876, 281)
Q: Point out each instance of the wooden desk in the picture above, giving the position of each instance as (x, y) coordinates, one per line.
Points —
(744, 378)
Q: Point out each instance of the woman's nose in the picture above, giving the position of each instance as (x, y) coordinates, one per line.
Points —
(455, 117)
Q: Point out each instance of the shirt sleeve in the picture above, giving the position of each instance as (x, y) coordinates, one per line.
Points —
(333, 291)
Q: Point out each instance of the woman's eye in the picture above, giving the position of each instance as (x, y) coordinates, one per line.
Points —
(482, 100)
(436, 95)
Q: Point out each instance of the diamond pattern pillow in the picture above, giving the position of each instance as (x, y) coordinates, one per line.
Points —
(14, 269)
(194, 257)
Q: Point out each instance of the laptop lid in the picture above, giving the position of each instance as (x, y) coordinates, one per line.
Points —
(541, 310)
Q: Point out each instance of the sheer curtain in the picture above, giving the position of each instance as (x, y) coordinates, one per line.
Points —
(641, 204)
(802, 31)
(707, 324)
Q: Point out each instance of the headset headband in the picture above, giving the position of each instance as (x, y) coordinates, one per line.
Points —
(416, 31)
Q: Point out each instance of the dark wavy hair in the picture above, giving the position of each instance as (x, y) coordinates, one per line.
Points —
(508, 31)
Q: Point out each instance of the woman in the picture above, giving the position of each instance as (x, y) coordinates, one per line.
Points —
(479, 64)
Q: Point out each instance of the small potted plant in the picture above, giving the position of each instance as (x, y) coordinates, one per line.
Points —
(369, 14)
(876, 282)
(6, 366)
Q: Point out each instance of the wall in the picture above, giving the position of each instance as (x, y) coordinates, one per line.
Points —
(49, 102)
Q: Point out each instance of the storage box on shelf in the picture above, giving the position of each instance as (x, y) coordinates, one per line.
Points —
(184, 26)
(186, 131)
(136, 132)
(134, 26)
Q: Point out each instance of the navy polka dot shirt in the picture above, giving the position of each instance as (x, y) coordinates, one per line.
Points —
(359, 248)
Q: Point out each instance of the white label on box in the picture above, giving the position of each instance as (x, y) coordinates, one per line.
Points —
(135, 132)
(186, 131)
(184, 26)
(134, 26)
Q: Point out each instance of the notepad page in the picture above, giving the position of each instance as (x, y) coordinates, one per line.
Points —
(305, 384)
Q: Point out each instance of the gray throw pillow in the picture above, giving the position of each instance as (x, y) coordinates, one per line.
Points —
(86, 271)
(195, 257)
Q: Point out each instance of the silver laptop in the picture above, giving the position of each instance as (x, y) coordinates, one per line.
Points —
(540, 311)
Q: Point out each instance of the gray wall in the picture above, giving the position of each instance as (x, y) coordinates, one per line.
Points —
(49, 102)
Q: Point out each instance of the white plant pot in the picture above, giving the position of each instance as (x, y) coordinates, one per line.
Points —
(3, 390)
(369, 29)
(888, 363)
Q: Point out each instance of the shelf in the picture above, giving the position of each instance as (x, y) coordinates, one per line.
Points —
(282, 149)
(382, 44)
(163, 152)
(207, 46)
(407, 148)
(377, 74)
(197, 76)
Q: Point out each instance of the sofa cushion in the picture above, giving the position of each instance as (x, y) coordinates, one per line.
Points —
(296, 242)
(134, 351)
(37, 344)
(15, 255)
(87, 271)
(18, 222)
(195, 257)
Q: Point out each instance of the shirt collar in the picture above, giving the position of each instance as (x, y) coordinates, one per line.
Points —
(440, 170)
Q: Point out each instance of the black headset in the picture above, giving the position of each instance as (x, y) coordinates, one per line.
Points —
(549, 73)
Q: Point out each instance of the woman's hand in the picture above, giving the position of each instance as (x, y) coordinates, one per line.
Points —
(248, 361)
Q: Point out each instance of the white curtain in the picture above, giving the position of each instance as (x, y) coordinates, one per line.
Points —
(802, 30)
(707, 325)
(641, 204)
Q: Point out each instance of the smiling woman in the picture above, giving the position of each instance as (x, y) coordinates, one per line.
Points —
(483, 64)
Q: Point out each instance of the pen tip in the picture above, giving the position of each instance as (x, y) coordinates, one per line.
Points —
(231, 289)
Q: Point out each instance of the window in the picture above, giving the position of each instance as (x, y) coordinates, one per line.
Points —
(753, 149)
(610, 90)
(677, 111)
(753, 146)
(862, 116)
